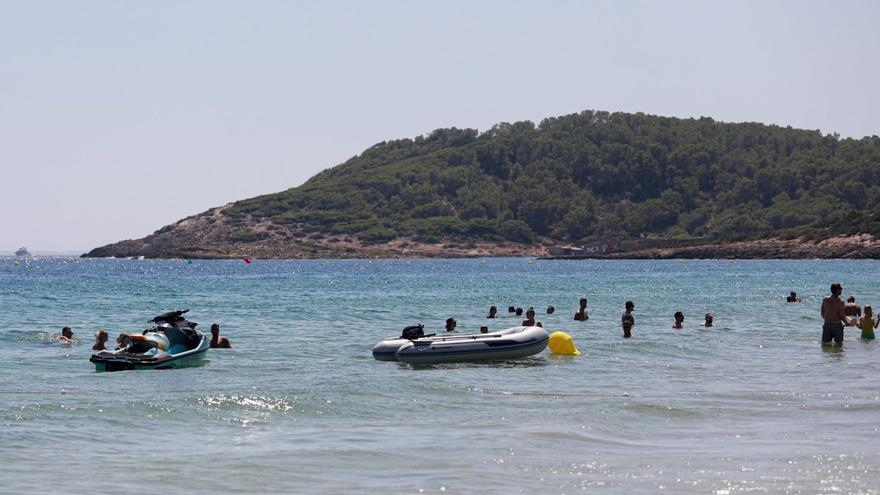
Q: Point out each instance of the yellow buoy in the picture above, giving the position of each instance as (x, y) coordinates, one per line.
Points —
(562, 343)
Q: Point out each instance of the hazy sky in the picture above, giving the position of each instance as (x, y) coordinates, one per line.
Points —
(117, 118)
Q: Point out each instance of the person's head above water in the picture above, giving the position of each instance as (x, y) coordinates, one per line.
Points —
(836, 289)
(484, 329)
(868, 310)
(493, 311)
(215, 329)
(851, 299)
(518, 311)
(530, 313)
(679, 319)
(511, 309)
(709, 319)
(583, 302)
(102, 336)
(450, 324)
(67, 333)
(630, 305)
(550, 310)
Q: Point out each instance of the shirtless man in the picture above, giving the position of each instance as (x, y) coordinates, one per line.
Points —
(851, 308)
(581, 314)
(834, 316)
(216, 340)
(530, 319)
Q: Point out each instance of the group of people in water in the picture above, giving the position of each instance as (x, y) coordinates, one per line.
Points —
(123, 340)
(838, 314)
(627, 320)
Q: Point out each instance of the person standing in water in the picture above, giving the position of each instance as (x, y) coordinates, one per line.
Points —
(627, 321)
(868, 324)
(581, 314)
(216, 340)
(834, 316)
(628, 312)
(851, 308)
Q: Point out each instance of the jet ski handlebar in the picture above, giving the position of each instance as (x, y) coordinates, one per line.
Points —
(169, 317)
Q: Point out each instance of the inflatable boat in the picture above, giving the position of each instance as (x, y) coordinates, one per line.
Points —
(512, 343)
(174, 342)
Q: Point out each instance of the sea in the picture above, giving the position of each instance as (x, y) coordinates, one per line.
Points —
(298, 405)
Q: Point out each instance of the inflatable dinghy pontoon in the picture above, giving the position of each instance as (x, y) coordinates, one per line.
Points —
(174, 342)
(416, 348)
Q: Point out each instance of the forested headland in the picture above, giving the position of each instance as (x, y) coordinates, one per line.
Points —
(575, 179)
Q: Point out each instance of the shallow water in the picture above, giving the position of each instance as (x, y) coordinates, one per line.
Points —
(299, 405)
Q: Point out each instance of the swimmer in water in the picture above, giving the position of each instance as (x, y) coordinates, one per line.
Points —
(450, 324)
(518, 311)
(484, 329)
(511, 309)
(216, 340)
(868, 323)
(550, 310)
(101, 337)
(530, 319)
(679, 320)
(709, 320)
(792, 298)
(66, 337)
(493, 312)
(581, 314)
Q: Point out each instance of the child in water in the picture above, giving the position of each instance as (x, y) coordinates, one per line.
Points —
(868, 323)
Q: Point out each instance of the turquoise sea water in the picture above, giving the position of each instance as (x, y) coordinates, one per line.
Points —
(299, 405)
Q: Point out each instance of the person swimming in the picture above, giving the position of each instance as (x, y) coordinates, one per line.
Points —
(484, 329)
(511, 309)
(550, 310)
(868, 323)
(66, 337)
(101, 337)
(530, 319)
(216, 340)
(792, 298)
(518, 311)
(679, 320)
(493, 312)
(581, 314)
(450, 324)
(709, 320)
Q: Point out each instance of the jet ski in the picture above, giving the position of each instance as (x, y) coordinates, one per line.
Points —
(414, 347)
(173, 342)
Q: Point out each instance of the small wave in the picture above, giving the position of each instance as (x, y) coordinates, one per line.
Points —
(36, 337)
(254, 402)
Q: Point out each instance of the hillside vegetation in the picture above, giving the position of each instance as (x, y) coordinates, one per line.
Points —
(583, 177)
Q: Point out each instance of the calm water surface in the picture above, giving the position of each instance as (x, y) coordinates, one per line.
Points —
(299, 405)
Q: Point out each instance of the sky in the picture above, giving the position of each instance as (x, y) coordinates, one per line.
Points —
(117, 118)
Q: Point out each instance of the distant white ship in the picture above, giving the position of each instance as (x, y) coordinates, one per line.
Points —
(22, 251)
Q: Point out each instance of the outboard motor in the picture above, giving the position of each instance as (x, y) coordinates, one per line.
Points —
(413, 332)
